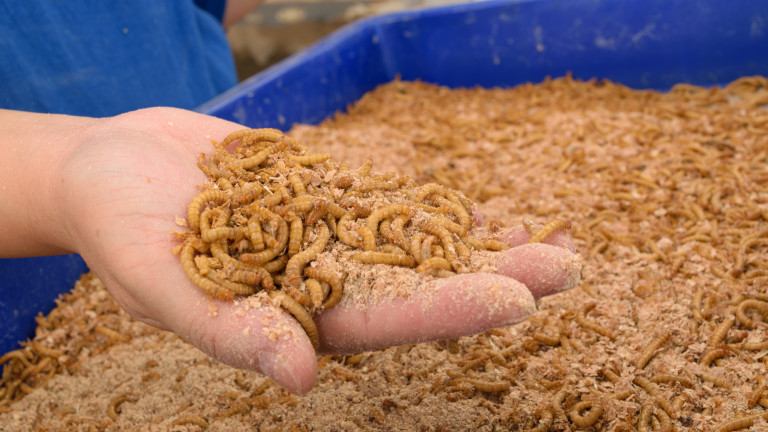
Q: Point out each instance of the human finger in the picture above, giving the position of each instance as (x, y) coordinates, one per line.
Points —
(445, 308)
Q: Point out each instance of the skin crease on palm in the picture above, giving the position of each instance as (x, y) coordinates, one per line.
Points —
(128, 179)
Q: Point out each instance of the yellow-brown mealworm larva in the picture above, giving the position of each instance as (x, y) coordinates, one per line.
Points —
(218, 249)
(385, 228)
(298, 312)
(296, 234)
(385, 258)
(297, 262)
(372, 222)
(193, 210)
(113, 409)
(302, 204)
(297, 184)
(465, 220)
(433, 264)
(336, 287)
(718, 335)
(741, 423)
(300, 297)
(373, 184)
(254, 233)
(488, 386)
(258, 257)
(587, 420)
(581, 319)
(545, 421)
(426, 248)
(415, 245)
(310, 159)
(398, 235)
(319, 211)
(622, 395)
(343, 231)
(758, 392)
(650, 351)
(611, 375)
(45, 351)
(112, 335)
(712, 355)
(369, 240)
(315, 291)
(758, 305)
(548, 229)
(696, 305)
(445, 239)
(390, 248)
(667, 378)
(463, 250)
(190, 419)
(716, 380)
(234, 287)
(547, 338)
(36, 369)
(530, 226)
(263, 134)
(255, 160)
(652, 390)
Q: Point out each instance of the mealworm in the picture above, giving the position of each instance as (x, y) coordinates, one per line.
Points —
(385, 258)
(219, 252)
(741, 423)
(415, 245)
(696, 305)
(298, 312)
(113, 335)
(297, 184)
(344, 234)
(193, 210)
(545, 421)
(255, 160)
(302, 204)
(372, 222)
(595, 411)
(311, 159)
(369, 240)
(755, 396)
(234, 287)
(390, 248)
(445, 239)
(488, 386)
(315, 291)
(652, 390)
(190, 419)
(485, 244)
(650, 351)
(666, 378)
(581, 319)
(712, 355)
(300, 297)
(716, 380)
(718, 335)
(611, 375)
(113, 409)
(758, 305)
(254, 233)
(296, 234)
(426, 248)
(45, 351)
(337, 289)
(548, 229)
(263, 134)
(297, 262)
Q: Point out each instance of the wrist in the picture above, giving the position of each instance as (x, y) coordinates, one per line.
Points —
(35, 148)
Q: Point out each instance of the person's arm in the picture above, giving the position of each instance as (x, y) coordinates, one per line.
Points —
(33, 148)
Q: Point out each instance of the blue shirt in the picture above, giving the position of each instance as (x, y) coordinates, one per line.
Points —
(102, 58)
(98, 58)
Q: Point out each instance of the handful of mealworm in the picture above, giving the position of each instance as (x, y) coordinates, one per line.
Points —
(271, 208)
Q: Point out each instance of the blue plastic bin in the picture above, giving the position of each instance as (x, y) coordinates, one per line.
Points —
(640, 43)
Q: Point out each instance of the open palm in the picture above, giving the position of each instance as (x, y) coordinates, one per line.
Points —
(123, 190)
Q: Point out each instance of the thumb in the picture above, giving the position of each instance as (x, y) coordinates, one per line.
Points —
(250, 334)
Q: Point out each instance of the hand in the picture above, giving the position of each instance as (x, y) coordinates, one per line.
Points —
(133, 175)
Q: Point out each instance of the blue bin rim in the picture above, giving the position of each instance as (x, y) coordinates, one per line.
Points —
(326, 44)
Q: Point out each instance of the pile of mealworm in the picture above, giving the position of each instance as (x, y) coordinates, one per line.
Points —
(271, 208)
(666, 195)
